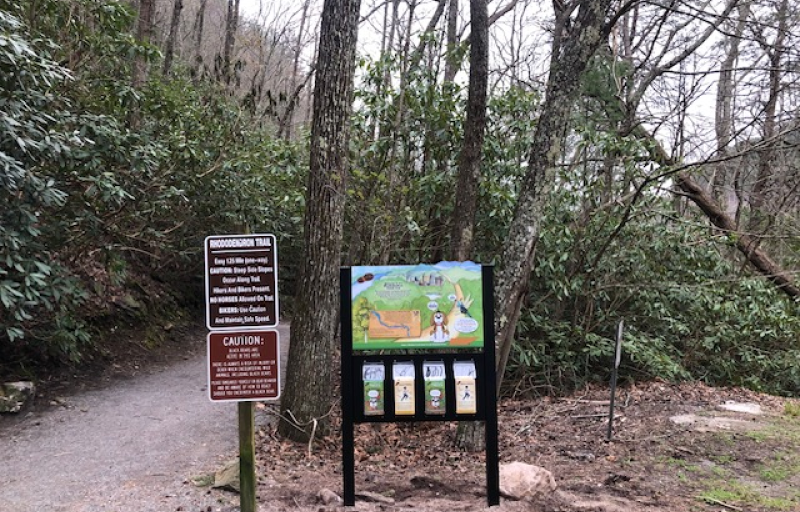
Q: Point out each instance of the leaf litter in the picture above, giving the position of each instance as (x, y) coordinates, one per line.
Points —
(651, 464)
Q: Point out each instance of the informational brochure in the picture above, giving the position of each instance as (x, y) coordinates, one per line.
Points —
(403, 375)
(374, 375)
(465, 375)
(434, 375)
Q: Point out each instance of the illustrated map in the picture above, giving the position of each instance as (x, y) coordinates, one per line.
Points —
(421, 306)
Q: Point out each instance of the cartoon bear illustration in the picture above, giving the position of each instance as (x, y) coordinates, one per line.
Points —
(441, 334)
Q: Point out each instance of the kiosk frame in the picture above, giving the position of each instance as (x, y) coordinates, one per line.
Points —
(486, 384)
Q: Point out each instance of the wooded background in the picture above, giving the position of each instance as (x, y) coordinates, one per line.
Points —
(614, 159)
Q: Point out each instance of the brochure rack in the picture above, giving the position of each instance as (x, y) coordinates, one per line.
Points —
(408, 394)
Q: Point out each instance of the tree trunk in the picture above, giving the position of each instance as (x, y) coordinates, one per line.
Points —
(199, 27)
(471, 435)
(287, 120)
(307, 398)
(144, 33)
(469, 161)
(231, 25)
(746, 243)
(723, 115)
(579, 33)
(174, 24)
(452, 61)
(759, 221)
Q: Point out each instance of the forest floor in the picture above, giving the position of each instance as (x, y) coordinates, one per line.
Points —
(674, 449)
(141, 436)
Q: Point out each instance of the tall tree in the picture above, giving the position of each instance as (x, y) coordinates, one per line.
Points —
(580, 28)
(231, 25)
(199, 29)
(471, 435)
(175, 21)
(775, 51)
(469, 160)
(144, 34)
(306, 399)
(724, 115)
(452, 61)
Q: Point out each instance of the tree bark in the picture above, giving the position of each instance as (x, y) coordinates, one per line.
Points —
(471, 435)
(581, 31)
(231, 25)
(169, 51)
(452, 61)
(144, 33)
(199, 27)
(307, 398)
(758, 197)
(287, 120)
(469, 160)
(723, 114)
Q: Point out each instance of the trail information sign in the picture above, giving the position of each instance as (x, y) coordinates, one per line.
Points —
(241, 282)
(417, 307)
(418, 344)
(243, 366)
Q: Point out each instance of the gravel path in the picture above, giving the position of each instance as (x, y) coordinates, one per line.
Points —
(132, 446)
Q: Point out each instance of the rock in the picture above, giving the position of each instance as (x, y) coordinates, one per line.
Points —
(684, 419)
(521, 481)
(744, 407)
(228, 477)
(328, 497)
(374, 497)
(14, 395)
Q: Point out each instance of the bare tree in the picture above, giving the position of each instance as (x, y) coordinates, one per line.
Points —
(225, 72)
(581, 27)
(174, 26)
(452, 60)
(199, 27)
(144, 34)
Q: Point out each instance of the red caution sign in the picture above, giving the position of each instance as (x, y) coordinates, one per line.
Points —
(243, 366)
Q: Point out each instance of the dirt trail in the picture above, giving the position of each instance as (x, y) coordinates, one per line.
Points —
(132, 446)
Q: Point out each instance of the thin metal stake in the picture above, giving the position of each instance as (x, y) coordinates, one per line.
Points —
(614, 372)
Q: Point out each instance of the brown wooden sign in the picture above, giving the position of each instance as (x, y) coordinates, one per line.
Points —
(243, 365)
(241, 282)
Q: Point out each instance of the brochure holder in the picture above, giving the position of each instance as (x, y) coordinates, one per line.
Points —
(374, 395)
(423, 385)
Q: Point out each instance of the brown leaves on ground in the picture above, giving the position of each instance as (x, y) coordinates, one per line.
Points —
(651, 464)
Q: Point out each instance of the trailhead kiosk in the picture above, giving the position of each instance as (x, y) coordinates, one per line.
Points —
(418, 345)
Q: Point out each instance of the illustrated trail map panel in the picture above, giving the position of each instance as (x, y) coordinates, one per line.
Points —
(417, 307)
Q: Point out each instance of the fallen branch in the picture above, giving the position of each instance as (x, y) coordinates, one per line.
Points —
(718, 502)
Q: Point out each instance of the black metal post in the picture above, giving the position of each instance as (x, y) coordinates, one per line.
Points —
(614, 372)
(490, 390)
(348, 448)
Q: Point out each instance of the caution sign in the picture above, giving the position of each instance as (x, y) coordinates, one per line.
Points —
(241, 282)
(243, 365)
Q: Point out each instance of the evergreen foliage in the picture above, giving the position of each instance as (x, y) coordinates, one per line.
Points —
(101, 220)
